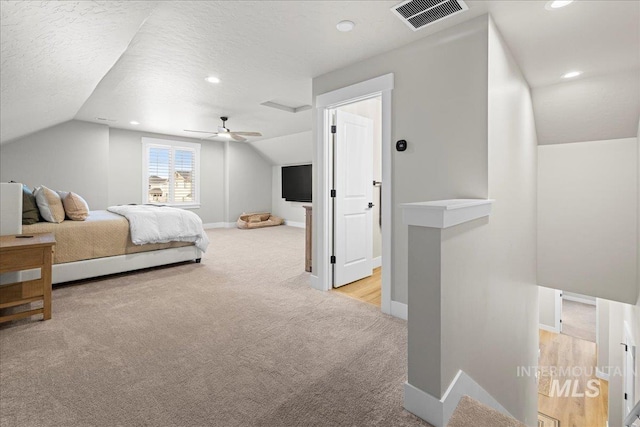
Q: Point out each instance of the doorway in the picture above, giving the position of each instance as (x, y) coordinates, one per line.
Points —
(579, 316)
(323, 181)
(571, 390)
(357, 178)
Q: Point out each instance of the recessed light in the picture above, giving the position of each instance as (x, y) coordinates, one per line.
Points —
(571, 74)
(345, 26)
(133, 122)
(557, 4)
(212, 79)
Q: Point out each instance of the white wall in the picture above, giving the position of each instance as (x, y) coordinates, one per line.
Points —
(512, 293)
(372, 109)
(72, 156)
(249, 181)
(291, 149)
(292, 212)
(549, 318)
(432, 97)
(587, 221)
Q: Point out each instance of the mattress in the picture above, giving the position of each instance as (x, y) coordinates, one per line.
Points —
(102, 234)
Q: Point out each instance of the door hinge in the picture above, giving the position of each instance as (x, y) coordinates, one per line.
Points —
(333, 193)
(626, 397)
(560, 320)
(334, 128)
(626, 347)
(333, 259)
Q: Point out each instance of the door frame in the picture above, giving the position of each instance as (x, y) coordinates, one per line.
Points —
(380, 86)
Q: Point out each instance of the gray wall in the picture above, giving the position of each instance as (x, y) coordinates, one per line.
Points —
(588, 196)
(104, 165)
(249, 181)
(72, 156)
(125, 171)
(440, 107)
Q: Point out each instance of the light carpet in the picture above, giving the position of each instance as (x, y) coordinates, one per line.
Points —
(239, 340)
(471, 413)
(579, 320)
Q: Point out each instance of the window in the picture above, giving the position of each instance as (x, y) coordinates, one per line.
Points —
(170, 172)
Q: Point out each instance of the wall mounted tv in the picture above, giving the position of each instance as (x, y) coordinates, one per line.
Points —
(296, 183)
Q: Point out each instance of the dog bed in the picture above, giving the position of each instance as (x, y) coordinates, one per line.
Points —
(258, 220)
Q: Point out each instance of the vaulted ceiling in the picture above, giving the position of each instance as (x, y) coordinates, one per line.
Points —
(147, 61)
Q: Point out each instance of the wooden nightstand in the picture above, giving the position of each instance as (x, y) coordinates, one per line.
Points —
(18, 254)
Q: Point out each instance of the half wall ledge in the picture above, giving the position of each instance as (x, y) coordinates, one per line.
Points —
(445, 213)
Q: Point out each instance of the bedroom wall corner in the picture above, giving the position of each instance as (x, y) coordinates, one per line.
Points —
(249, 181)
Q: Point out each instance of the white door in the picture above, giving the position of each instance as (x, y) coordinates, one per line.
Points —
(353, 227)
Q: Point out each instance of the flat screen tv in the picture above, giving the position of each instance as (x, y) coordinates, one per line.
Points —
(296, 183)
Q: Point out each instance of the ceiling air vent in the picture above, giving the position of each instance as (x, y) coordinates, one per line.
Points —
(418, 14)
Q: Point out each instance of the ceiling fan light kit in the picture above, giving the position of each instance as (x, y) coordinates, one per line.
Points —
(224, 132)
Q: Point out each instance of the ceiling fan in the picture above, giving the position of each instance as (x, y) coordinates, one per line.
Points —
(225, 132)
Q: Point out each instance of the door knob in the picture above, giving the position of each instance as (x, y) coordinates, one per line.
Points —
(371, 205)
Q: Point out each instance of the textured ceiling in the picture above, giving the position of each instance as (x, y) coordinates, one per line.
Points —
(54, 54)
(146, 61)
(260, 51)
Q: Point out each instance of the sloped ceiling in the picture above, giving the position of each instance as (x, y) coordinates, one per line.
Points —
(146, 61)
(588, 109)
(54, 54)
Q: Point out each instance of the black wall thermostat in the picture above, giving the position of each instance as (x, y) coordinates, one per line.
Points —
(401, 145)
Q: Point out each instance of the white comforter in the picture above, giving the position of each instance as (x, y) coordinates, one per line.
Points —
(162, 224)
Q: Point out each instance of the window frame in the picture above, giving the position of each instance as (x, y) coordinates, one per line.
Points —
(172, 145)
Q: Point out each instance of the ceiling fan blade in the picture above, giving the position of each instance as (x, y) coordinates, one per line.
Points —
(235, 136)
(248, 133)
(198, 131)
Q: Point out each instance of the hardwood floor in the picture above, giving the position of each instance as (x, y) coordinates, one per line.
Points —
(367, 289)
(573, 410)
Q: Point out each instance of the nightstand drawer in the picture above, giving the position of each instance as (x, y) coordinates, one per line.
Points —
(21, 259)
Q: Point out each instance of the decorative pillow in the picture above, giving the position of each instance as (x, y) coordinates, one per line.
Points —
(75, 207)
(49, 204)
(30, 213)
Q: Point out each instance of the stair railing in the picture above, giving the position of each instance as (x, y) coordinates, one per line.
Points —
(633, 416)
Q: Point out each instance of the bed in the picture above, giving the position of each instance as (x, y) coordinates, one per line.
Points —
(98, 246)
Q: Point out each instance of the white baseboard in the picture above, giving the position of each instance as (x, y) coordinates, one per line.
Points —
(549, 328)
(601, 374)
(438, 411)
(578, 299)
(377, 262)
(294, 224)
(210, 225)
(400, 310)
(314, 281)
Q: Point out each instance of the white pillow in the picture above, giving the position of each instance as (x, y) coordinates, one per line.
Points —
(49, 204)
